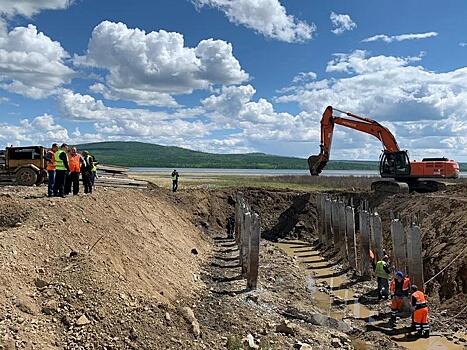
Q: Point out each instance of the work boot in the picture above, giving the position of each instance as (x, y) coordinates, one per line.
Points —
(392, 321)
(426, 334)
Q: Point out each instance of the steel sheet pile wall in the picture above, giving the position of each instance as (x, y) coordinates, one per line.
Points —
(337, 230)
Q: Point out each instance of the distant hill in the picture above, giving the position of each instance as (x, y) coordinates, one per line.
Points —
(138, 154)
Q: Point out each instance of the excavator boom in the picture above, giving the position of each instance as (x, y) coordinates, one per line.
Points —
(394, 163)
(316, 163)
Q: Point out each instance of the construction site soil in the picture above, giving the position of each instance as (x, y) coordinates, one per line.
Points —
(149, 269)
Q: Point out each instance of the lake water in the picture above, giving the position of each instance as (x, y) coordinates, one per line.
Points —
(263, 172)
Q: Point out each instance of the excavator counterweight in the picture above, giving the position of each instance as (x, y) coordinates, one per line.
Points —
(394, 163)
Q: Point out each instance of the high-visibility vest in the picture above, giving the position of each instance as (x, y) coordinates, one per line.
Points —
(58, 162)
(405, 285)
(421, 299)
(174, 177)
(75, 163)
(88, 161)
(379, 271)
(51, 162)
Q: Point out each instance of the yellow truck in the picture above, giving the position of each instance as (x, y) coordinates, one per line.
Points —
(24, 166)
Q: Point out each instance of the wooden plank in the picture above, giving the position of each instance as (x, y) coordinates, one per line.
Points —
(399, 246)
(254, 252)
(111, 168)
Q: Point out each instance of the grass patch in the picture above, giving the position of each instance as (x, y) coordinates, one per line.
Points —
(298, 183)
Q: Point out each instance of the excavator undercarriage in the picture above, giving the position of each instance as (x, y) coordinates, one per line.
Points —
(399, 174)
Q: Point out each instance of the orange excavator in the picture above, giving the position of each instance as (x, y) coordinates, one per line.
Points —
(420, 176)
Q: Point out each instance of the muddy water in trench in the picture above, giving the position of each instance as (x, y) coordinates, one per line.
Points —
(320, 270)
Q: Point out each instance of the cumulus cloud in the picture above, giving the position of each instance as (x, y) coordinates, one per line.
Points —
(32, 64)
(142, 98)
(235, 107)
(341, 23)
(267, 17)
(402, 37)
(358, 62)
(393, 91)
(78, 107)
(42, 129)
(132, 124)
(148, 67)
(31, 7)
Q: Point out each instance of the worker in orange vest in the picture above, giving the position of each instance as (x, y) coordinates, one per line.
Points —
(50, 158)
(75, 162)
(399, 289)
(420, 312)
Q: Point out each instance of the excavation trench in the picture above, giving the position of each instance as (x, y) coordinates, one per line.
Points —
(323, 276)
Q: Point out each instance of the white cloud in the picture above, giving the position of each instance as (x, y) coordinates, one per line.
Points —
(267, 17)
(142, 98)
(42, 130)
(414, 102)
(31, 7)
(341, 23)
(463, 44)
(31, 64)
(80, 107)
(133, 124)
(303, 77)
(402, 37)
(358, 62)
(148, 67)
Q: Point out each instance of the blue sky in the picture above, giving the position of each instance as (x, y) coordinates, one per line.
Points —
(234, 76)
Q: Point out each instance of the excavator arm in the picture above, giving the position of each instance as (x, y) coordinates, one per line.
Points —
(316, 163)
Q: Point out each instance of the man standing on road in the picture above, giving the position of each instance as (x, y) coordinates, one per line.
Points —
(175, 176)
(61, 170)
(383, 275)
(50, 158)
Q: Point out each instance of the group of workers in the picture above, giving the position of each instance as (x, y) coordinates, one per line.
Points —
(64, 167)
(403, 295)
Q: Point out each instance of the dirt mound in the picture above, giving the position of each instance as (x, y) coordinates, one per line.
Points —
(118, 257)
(10, 216)
(283, 214)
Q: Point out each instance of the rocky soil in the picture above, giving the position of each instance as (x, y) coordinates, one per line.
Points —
(129, 269)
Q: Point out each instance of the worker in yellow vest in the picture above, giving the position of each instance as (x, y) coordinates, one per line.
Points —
(383, 275)
(61, 170)
(50, 158)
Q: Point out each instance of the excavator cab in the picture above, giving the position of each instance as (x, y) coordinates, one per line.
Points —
(394, 164)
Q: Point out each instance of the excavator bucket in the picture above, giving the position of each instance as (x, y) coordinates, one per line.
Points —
(316, 164)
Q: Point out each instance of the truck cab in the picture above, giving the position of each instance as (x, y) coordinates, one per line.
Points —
(27, 165)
